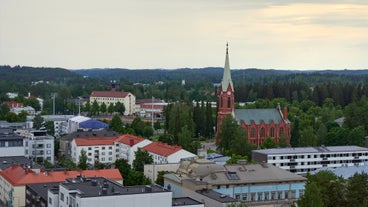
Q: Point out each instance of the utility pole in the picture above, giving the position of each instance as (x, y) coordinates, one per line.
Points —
(53, 95)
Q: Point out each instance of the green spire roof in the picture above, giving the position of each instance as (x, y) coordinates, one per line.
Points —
(226, 78)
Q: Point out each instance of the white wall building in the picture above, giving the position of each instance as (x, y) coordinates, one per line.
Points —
(301, 160)
(37, 144)
(107, 149)
(112, 97)
(73, 123)
(163, 153)
(60, 123)
(96, 192)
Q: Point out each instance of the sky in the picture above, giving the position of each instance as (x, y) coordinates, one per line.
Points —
(169, 34)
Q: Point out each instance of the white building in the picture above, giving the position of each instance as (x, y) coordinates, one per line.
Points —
(73, 123)
(98, 191)
(163, 153)
(107, 149)
(37, 144)
(30, 110)
(11, 144)
(127, 145)
(301, 160)
(112, 97)
(60, 123)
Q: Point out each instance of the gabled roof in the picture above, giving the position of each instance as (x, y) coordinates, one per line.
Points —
(130, 139)
(17, 175)
(258, 115)
(161, 148)
(94, 141)
(93, 124)
(114, 94)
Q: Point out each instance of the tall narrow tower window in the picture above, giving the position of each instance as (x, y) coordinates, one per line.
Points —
(228, 102)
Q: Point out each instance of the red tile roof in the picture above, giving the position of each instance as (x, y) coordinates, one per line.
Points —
(13, 104)
(95, 141)
(161, 148)
(18, 176)
(114, 94)
(129, 139)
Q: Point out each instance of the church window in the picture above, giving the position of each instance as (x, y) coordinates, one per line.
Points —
(221, 104)
(281, 131)
(228, 102)
(272, 132)
(252, 132)
(262, 132)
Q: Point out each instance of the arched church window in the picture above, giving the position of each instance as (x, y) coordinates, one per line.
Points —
(272, 132)
(281, 131)
(228, 102)
(252, 132)
(263, 134)
(221, 102)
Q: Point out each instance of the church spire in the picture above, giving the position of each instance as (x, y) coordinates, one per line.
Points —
(226, 78)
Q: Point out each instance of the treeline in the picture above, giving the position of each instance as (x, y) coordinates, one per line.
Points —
(342, 94)
(325, 189)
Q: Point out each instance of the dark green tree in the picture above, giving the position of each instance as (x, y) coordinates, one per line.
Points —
(103, 108)
(95, 108)
(147, 131)
(111, 108)
(123, 167)
(136, 178)
(116, 124)
(268, 143)
(141, 158)
(38, 121)
(311, 197)
(119, 107)
(160, 177)
(82, 164)
(357, 190)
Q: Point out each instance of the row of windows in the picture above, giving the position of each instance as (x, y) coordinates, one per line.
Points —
(263, 132)
(289, 157)
(90, 148)
(268, 196)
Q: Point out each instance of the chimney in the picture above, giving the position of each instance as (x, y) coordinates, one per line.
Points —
(285, 113)
(131, 142)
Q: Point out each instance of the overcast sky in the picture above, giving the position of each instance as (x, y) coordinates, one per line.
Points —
(136, 34)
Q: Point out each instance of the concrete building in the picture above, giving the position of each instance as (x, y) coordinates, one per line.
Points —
(11, 143)
(259, 123)
(152, 170)
(186, 201)
(60, 123)
(301, 160)
(37, 144)
(112, 97)
(6, 162)
(147, 107)
(127, 145)
(254, 185)
(73, 123)
(30, 110)
(107, 149)
(14, 179)
(98, 191)
(163, 153)
(65, 141)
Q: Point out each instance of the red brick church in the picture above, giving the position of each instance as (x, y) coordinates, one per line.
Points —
(258, 123)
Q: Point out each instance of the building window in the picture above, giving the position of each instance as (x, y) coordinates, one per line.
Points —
(237, 196)
(62, 196)
(262, 132)
(48, 145)
(245, 197)
(228, 102)
(281, 131)
(272, 132)
(50, 200)
(252, 132)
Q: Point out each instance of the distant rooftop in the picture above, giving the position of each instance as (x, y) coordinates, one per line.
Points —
(301, 150)
(99, 186)
(345, 171)
(216, 196)
(161, 148)
(102, 133)
(184, 201)
(6, 162)
(112, 93)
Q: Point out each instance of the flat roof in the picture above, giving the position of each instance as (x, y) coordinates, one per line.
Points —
(216, 196)
(99, 186)
(42, 188)
(184, 201)
(6, 162)
(302, 150)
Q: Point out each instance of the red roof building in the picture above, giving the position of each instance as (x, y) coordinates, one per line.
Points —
(112, 97)
(95, 141)
(13, 104)
(161, 148)
(130, 140)
(14, 179)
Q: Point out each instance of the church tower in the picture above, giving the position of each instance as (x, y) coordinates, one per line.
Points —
(226, 95)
